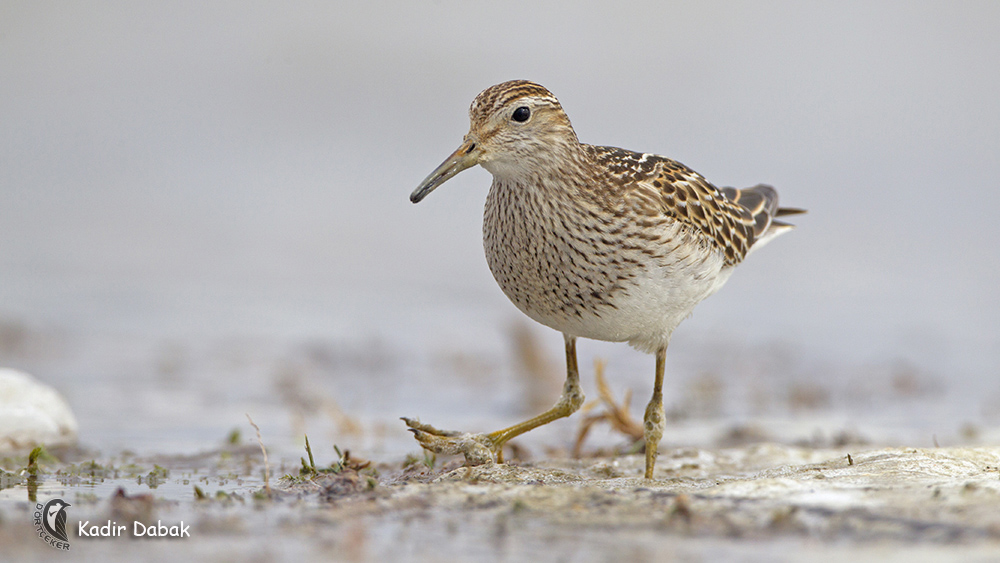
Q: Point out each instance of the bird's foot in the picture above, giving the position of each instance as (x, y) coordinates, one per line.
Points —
(478, 449)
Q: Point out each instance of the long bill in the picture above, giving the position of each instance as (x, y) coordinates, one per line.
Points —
(466, 156)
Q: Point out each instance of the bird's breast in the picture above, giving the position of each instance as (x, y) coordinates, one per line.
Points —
(593, 271)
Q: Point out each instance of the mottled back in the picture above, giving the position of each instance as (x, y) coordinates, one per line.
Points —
(657, 186)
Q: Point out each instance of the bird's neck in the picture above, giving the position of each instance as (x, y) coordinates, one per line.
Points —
(554, 171)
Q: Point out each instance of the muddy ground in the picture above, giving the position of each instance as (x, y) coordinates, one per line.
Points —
(756, 502)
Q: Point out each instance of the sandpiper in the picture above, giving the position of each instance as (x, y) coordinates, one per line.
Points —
(595, 242)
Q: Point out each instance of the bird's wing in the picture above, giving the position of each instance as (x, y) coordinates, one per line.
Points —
(658, 186)
(762, 203)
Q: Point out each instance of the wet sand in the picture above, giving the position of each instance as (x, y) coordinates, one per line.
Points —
(801, 484)
(754, 502)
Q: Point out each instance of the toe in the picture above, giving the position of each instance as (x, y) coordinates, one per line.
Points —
(416, 425)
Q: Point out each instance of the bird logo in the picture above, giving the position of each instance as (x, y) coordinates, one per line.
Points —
(54, 518)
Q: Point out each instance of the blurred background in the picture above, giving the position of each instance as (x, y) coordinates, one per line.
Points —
(204, 213)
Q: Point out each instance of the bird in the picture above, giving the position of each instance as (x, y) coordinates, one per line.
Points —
(595, 242)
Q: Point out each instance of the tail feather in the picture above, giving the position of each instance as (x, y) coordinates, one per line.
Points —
(761, 201)
(782, 211)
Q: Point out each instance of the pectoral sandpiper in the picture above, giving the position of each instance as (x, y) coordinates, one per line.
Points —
(595, 242)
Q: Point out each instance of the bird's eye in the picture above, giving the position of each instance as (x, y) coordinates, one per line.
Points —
(521, 114)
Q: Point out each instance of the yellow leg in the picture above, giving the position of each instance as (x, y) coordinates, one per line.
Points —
(569, 402)
(654, 421)
(481, 448)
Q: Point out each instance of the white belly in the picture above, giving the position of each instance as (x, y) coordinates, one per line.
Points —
(644, 313)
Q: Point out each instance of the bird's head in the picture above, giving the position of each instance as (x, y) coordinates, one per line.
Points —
(514, 127)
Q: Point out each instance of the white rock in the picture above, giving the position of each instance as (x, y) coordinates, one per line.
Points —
(32, 413)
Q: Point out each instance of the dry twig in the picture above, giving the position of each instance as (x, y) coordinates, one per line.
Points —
(615, 414)
(267, 468)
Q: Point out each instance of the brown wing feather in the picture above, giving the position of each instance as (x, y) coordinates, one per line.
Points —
(661, 186)
(762, 203)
